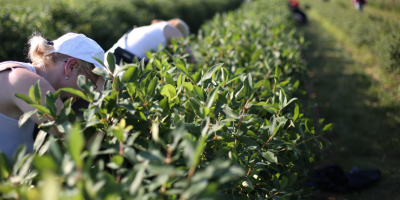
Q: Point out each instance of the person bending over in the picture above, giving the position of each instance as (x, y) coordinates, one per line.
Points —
(56, 64)
(137, 41)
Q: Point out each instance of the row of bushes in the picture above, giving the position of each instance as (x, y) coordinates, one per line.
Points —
(390, 5)
(104, 21)
(232, 129)
(379, 34)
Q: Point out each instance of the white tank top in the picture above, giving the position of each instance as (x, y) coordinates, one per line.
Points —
(11, 135)
(142, 39)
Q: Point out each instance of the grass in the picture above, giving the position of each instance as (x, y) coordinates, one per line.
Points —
(352, 94)
(386, 5)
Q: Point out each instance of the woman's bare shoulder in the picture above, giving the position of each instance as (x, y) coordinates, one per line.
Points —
(20, 80)
(22, 75)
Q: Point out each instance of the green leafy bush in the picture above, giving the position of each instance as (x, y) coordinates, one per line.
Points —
(234, 129)
(379, 34)
(104, 21)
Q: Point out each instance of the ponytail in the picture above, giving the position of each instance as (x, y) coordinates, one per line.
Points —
(38, 48)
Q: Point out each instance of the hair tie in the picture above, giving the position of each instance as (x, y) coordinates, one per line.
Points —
(50, 43)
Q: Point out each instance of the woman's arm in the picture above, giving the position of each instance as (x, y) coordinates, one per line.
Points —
(21, 81)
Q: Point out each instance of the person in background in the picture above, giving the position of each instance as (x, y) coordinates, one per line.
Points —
(137, 41)
(293, 5)
(299, 16)
(359, 4)
(55, 64)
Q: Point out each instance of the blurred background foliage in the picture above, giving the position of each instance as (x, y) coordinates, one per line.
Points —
(104, 21)
(390, 5)
(379, 33)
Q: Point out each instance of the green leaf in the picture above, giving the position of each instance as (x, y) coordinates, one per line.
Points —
(164, 104)
(199, 92)
(65, 111)
(88, 114)
(41, 108)
(197, 107)
(267, 85)
(293, 178)
(130, 87)
(180, 79)
(138, 178)
(230, 113)
(211, 71)
(222, 151)
(102, 72)
(234, 78)
(310, 126)
(290, 101)
(25, 117)
(270, 156)
(233, 156)
(130, 75)
(188, 86)
(117, 159)
(169, 79)
(24, 98)
(75, 92)
(256, 87)
(158, 65)
(56, 94)
(328, 128)
(152, 87)
(219, 125)
(111, 62)
(38, 93)
(32, 93)
(51, 104)
(101, 62)
(5, 166)
(296, 112)
(168, 91)
(76, 142)
(258, 84)
(211, 97)
(247, 87)
(277, 73)
(39, 140)
(261, 104)
(118, 133)
(182, 68)
(44, 163)
(224, 74)
(283, 182)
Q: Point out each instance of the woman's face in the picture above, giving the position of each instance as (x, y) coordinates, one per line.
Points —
(66, 75)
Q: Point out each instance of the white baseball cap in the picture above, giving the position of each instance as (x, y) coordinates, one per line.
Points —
(79, 46)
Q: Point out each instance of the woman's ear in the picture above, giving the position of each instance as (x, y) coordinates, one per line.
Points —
(71, 66)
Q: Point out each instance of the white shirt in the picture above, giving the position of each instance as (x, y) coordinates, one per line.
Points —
(142, 39)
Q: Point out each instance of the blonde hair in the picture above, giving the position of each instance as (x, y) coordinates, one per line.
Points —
(180, 25)
(39, 49)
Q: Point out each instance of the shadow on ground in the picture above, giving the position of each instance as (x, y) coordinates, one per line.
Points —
(366, 119)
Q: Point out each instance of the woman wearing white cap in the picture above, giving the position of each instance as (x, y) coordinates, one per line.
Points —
(57, 64)
(136, 42)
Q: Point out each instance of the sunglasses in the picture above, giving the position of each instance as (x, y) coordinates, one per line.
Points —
(91, 79)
